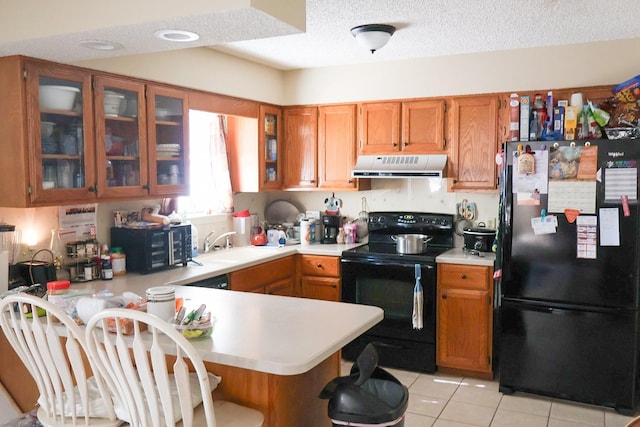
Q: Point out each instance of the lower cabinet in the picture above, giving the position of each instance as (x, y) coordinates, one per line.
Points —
(465, 319)
(320, 277)
(272, 277)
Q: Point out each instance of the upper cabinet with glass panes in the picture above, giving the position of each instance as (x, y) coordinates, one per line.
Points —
(79, 136)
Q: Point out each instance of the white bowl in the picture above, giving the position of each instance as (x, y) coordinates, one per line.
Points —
(46, 129)
(114, 103)
(54, 97)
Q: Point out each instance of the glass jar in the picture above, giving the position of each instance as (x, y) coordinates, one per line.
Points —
(118, 262)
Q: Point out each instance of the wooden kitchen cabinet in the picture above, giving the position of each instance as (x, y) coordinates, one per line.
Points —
(121, 139)
(301, 142)
(409, 127)
(81, 153)
(473, 130)
(256, 150)
(320, 277)
(270, 147)
(337, 149)
(274, 277)
(321, 148)
(168, 130)
(465, 319)
(48, 153)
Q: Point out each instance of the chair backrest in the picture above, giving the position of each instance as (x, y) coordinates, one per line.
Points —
(136, 364)
(52, 347)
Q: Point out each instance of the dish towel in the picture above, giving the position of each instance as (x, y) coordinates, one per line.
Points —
(417, 300)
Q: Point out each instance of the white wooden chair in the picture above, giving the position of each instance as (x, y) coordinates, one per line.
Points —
(51, 346)
(150, 393)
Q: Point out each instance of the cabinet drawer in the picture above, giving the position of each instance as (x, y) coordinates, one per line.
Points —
(464, 276)
(318, 265)
(262, 274)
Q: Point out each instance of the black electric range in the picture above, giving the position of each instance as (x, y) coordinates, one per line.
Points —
(383, 226)
(375, 274)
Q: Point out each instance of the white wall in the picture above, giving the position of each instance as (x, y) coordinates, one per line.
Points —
(589, 64)
(201, 68)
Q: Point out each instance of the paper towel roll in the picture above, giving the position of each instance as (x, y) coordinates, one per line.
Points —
(4, 271)
(87, 307)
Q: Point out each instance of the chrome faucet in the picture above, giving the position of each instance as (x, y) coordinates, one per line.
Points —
(206, 245)
(227, 237)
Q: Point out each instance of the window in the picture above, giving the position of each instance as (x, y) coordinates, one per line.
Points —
(210, 182)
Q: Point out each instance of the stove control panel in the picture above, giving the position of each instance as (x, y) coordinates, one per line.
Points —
(409, 220)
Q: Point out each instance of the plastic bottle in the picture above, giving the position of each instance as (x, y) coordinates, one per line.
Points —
(340, 236)
(194, 240)
(118, 262)
(106, 270)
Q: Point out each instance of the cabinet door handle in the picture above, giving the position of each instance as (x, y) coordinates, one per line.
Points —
(93, 189)
(319, 265)
(146, 186)
(463, 276)
(405, 143)
(334, 285)
(395, 144)
(444, 296)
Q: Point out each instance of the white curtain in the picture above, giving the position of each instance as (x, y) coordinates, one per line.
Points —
(210, 181)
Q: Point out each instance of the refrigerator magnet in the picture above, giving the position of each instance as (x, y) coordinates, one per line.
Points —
(526, 162)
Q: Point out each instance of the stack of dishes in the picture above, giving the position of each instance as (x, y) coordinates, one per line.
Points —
(168, 150)
(49, 145)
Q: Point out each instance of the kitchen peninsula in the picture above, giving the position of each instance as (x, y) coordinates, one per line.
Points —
(274, 353)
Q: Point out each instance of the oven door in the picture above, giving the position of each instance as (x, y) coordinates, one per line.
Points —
(390, 285)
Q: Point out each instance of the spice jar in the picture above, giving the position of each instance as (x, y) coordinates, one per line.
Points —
(56, 291)
(118, 261)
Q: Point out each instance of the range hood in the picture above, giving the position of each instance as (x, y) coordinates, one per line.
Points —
(400, 166)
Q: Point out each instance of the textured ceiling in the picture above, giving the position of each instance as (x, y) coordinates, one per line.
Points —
(426, 28)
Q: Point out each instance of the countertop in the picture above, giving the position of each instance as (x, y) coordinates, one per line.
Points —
(458, 256)
(213, 264)
(267, 333)
(276, 334)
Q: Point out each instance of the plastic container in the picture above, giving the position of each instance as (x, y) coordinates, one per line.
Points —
(197, 330)
(369, 396)
(118, 261)
(57, 291)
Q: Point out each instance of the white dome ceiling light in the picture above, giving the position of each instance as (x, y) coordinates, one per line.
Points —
(373, 36)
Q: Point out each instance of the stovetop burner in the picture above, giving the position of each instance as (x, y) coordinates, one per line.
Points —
(383, 226)
(389, 252)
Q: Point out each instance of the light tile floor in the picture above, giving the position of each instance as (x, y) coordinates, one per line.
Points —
(440, 400)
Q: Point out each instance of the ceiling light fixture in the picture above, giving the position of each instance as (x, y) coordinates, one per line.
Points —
(373, 36)
(100, 45)
(176, 35)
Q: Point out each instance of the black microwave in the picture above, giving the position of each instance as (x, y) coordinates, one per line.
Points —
(155, 248)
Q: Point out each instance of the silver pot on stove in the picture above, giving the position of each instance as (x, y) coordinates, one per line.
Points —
(411, 243)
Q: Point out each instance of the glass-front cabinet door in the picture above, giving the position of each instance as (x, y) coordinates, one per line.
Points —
(269, 145)
(60, 129)
(121, 138)
(168, 128)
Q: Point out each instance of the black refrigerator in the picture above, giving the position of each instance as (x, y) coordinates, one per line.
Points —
(568, 254)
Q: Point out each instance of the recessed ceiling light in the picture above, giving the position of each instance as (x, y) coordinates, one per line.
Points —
(176, 35)
(100, 45)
